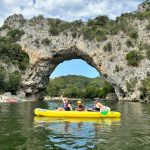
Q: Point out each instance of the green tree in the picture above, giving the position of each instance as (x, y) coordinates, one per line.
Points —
(2, 78)
(14, 82)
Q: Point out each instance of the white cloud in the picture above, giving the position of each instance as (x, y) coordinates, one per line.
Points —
(66, 9)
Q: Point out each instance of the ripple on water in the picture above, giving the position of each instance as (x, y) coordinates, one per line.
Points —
(18, 130)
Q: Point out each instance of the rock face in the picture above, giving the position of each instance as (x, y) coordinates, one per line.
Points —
(45, 56)
(144, 6)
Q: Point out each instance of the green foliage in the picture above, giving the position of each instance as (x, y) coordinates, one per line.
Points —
(39, 17)
(2, 78)
(129, 43)
(107, 47)
(132, 32)
(98, 21)
(145, 47)
(12, 53)
(57, 26)
(100, 27)
(148, 54)
(118, 68)
(54, 31)
(9, 82)
(148, 27)
(15, 34)
(79, 86)
(14, 82)
(145, 89)
(131, 84)
(4, 27)
(134, 57)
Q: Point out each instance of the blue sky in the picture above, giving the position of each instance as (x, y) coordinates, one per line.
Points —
(68, 10)
(74, 67)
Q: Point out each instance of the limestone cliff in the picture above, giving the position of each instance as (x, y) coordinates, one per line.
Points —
(102, 43)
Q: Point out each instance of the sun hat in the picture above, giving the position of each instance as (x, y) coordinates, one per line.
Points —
(78, 102)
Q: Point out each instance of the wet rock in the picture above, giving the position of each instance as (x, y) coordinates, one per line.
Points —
(111, 96)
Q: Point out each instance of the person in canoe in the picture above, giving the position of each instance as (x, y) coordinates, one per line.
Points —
(99, 107)
(67, 105)
(80, 107)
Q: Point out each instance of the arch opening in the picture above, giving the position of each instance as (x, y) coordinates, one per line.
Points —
(77, 67)
(81, 84)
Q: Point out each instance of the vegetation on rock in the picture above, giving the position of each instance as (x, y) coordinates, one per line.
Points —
(100, 27)
(146, 48)
(12, 53)
(130, 85)
(129, 43)
(133, 58)
(15, 34)
(107, 47)
(145, 89)
(9, 82)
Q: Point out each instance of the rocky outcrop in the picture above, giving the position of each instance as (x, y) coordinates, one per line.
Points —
(46, 51)
(144, 6)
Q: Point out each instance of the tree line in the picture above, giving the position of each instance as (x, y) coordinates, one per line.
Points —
(79, 87)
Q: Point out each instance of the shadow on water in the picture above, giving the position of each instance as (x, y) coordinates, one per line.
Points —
(20, 130)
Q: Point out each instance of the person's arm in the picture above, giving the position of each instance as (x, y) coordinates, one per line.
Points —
(70, 106)
(62, 98)
(100, 105)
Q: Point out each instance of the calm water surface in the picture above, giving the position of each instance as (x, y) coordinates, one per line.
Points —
(20, 130)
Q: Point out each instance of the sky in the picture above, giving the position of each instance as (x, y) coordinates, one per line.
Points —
(74, 67)
(68, 10)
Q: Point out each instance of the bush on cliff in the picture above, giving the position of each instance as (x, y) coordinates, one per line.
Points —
(11, 52)
(15, 34)
(9, 82)
(145, 89)
(133, 58)
(2, 78)
(14, 82)
(107, 47)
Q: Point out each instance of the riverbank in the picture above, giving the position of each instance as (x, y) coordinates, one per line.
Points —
(48, 98)
(9, 98)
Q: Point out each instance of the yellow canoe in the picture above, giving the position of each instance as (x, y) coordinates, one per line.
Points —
(75, 114)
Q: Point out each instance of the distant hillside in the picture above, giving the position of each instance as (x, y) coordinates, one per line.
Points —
(79, 86)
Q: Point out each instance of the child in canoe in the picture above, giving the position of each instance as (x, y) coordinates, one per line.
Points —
(80, 107)
(67, 105)
(99, 107)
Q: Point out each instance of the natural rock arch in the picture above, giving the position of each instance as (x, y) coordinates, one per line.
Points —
(37, 77)
(108, 56)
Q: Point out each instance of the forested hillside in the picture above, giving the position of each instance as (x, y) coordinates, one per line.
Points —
(79, 86)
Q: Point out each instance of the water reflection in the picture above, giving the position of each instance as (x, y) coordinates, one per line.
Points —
(108, 121)
(74, 133)
(19, 129)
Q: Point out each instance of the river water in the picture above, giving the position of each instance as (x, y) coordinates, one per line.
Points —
(20, 130)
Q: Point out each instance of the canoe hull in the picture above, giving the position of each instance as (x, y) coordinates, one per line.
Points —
(75, 114)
